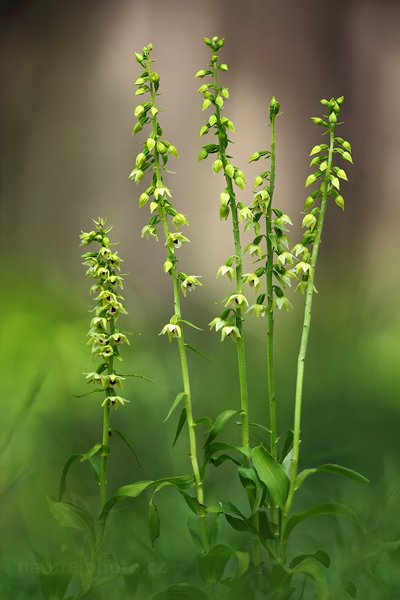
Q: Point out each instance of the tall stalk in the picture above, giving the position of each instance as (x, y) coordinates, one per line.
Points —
(270, 293)
(314, 221)
(215, 95)
(230, 322)
(155, 156)
(104, 335)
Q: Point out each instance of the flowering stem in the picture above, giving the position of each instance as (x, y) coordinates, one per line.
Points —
(240, 348)
(244, 401)
(181, 343)
(304, 344)
(105, 445)
(270, 320)
(270, 311)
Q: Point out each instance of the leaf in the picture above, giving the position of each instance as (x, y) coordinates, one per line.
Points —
(71, 516)
(330, 468)
(181, 422)
(88, 393)
(154, 522)
(313, 569)
(212, 565)
(131, 448)
(134, 490)
(329, 508)
(191, 325)
(319, 555)
(180, 591)
(219, 424)
(271, 474)
(193, 349)
(175, 403)
(287, 444)
(63, 478)
(215, 447)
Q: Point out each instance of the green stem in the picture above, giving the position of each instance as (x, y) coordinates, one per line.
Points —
(193, 455)
(244, 399)
(271, 324)
(270, 299)
(105, 444)
(240, 348)
(304, 344)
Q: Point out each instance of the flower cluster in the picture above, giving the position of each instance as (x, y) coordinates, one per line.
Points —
(154, 158)
(278, 260)
(328, 176)
(105, 337)
(214, 96)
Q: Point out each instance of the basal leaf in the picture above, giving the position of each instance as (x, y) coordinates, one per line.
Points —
(71, 516)
(212, 565)
(313, 569)
(271, 474)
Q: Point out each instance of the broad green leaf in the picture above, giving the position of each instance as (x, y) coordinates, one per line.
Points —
(319, 555)
(71, 516)
(175, 403)
(133, 490)
(330, 468)
(194, 505)
(154, 522)
(181, 422)
(222, 458)
(180, 591)
(271, 474)
(239, 524)
(329, 508)
(131, 448)
(212, 565)
(216, 447)
(218, 425)
(313, 569)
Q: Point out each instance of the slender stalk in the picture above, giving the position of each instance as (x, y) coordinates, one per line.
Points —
(193, 455)
(304, 343)
(105, 444)
(244, 398)
(270, 312)
(240, 347)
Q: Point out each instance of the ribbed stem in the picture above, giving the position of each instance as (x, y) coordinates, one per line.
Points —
(105, 444)
(181, 343)
(244, 399)
(240, 347)
(271, 323)
(304, 344)
(270, 298)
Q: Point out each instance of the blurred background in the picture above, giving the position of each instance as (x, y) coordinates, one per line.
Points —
(66, 110)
